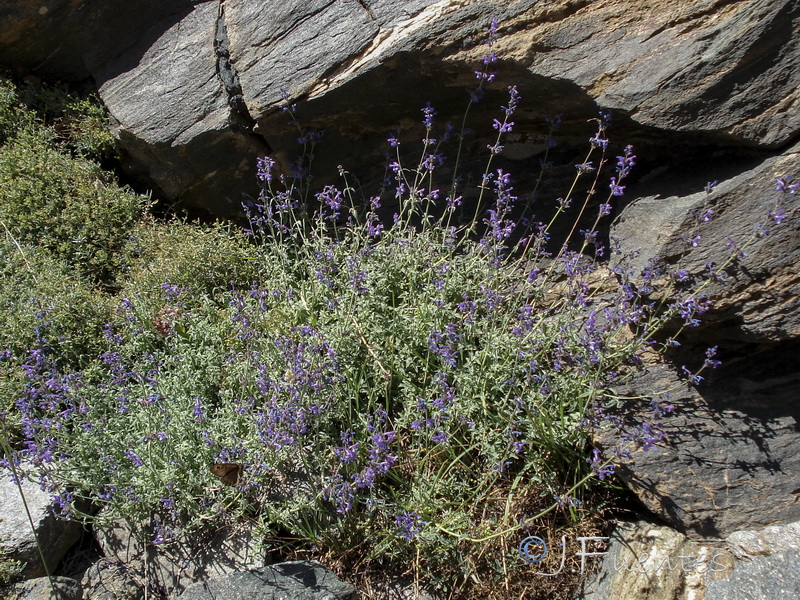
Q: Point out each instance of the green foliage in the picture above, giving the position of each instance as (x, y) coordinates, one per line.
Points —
(88, 129)
(407, 392)
(203, 260)
(13, 117)
(80, 122)
(67, 206)
(10, 569)
(43, 299)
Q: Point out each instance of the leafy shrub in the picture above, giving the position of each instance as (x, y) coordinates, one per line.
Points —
(80, 122)
(208, 260)
(10, 569)
(87, 128)
(13, 117)
(64, 205)
(49, 198)
(44, 303)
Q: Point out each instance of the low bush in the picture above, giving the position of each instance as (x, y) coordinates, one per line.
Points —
(416, 392)
(64, 204)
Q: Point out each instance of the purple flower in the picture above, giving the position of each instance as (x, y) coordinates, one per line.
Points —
(710, 362)
(600, 469)
(682, 275)
(409, 524)
(428, 113)
(264, 168)
(445, 344)
(331, 197)
(625, 162)
(598, 142)
(778, 215)
(616, 189)
(348, 452)
(503, 127)
(134, 458)
(693, 377)
(784, 184)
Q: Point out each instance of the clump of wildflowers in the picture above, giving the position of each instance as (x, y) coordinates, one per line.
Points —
(416, 362)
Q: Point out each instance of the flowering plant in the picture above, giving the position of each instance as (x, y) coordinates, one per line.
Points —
(404, 387)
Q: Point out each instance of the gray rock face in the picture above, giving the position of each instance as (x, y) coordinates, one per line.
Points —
(108, 580)
(18, 540)
(296, 580)
(188, 133)
(694, 66)
(651, 562)
(188, 81)
(729, 462)
(757, 301)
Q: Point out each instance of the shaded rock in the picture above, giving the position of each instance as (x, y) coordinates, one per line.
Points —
(757, 300)
(16, 538)
(42, 589)
(729, 461)
(72, 40)
(109, 580)
(651, 562)
(296, 580)
(172, 567)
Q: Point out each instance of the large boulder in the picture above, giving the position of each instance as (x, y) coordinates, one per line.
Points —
(22, 539)
(729, 460)
(196, 88)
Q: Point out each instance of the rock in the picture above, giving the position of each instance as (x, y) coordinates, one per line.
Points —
(52, 40)
(17, 539)
(188, 133)
(296, 580)
(728, 462)
(762, 579)
(680, 66)
(195, 87)
(647, 561)
(42, 589)
(110, 580)
(756, 302)
(171, 568)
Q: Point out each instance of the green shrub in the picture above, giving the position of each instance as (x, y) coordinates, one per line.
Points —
(64, 205)
(80, 122)
(87, 129)
(13, 117)
(204, 261)
(44, 303)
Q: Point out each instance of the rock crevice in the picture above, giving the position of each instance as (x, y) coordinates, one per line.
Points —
(226, 72)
